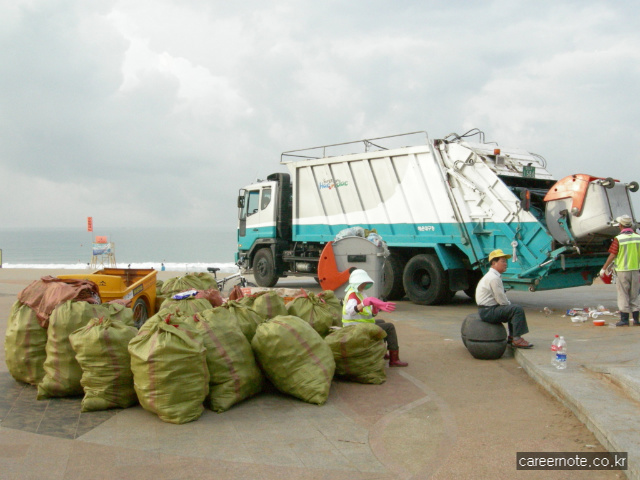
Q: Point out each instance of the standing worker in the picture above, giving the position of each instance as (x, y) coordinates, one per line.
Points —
(495, 307)
(625, 250)
(357, 308)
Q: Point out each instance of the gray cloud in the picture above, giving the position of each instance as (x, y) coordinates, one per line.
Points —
(155, 113)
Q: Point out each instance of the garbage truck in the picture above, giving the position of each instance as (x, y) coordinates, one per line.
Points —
(441, 206)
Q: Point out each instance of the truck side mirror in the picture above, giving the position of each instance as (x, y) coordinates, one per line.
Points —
(240, 202)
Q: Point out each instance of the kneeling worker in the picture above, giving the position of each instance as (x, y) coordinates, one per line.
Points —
(493, 305)
(358, 308)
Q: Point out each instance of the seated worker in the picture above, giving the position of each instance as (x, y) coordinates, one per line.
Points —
(493, 305)
(358, 308)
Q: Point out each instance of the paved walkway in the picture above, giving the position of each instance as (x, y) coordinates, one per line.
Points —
(401, 429)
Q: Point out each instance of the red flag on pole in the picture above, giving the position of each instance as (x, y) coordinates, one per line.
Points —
(89, 224)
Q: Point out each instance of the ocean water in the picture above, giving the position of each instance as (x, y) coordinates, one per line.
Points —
(180, 249)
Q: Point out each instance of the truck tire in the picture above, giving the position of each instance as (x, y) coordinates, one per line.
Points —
(425, 281)
(264, 269)
(392, 285)
(140, 313)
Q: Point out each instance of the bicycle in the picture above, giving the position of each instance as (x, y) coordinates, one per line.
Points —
(231, 280)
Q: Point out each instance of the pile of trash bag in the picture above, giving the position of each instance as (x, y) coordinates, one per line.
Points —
(190, 355)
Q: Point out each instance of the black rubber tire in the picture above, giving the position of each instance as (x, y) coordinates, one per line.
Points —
(392, 284)
(609, 182)
(474, 278)
(484, 341)
(140, 313)
(633, 186)
(486, 350)
(425, 281)
(264, 269)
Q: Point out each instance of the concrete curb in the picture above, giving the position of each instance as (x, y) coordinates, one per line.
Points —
(611, 415)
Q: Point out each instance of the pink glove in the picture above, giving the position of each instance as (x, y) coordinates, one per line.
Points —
(376, 302)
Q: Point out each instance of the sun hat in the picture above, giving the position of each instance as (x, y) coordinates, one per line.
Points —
(625, 220)
(498, 254)
(359, 276)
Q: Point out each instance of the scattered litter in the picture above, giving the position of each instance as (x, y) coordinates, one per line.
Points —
(547, 311)
(580, 315)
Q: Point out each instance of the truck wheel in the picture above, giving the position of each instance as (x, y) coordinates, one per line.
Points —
(392, 286)
(425, 281)
(609, 182)
(633, 186)
(264, 269)
(140, 313)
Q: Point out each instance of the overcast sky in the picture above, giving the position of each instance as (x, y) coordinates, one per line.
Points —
(147, 113)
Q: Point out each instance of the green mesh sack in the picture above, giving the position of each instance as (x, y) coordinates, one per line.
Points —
(359, 352)
(170, 371)
(188, 306)
(316, 311)
(208, 281)
(190, 281)
(234, 373)
(268, 304)
(295, 358)
(102, 351)
(119, 312)
(24, 345)
(62, 370)
(246, 317)
(335, 304)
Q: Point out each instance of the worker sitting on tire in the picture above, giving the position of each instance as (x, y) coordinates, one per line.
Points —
(357, 308)
(493, 305)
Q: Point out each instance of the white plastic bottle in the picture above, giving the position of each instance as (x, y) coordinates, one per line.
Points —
(554, 349)
(561, 354)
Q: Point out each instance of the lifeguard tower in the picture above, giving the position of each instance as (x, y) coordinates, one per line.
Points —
(104, 253)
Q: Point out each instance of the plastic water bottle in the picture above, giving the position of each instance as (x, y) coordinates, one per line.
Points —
(561, 354)
(554, 350)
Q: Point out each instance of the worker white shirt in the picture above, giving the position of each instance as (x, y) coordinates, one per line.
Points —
(490, 290)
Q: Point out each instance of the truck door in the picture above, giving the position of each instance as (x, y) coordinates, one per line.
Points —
(256, 216)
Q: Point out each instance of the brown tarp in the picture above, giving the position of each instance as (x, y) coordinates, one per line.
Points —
(47, 293)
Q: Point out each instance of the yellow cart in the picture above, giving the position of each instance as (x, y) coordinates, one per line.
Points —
(135, 284)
